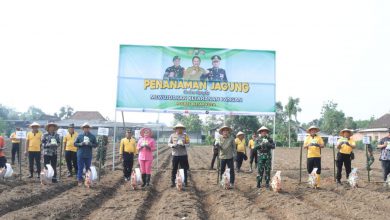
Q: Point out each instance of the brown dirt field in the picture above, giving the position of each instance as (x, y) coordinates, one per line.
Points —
(112, 198)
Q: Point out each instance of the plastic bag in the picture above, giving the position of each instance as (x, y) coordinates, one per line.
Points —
(353, 178)
(276, 182)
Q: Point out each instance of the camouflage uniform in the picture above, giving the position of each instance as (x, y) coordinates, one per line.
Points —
(178, 73)
(102, 151)
(263, 147)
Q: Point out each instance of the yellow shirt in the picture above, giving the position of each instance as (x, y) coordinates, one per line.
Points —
(313, 151)
(130, 146)
(345, 149)
(251, 144)
(69, 140)
(34, 141)
(240, 145)
(16, 141)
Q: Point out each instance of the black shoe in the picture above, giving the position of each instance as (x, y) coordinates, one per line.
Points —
(258, 185)
(339, 182)
(185, 184)
(173, 185)
(38, 177)
(267, 186)
(54, 180)
(31, 176)
(69, 174)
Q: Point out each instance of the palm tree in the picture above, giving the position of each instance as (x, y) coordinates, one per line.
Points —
(292, 109)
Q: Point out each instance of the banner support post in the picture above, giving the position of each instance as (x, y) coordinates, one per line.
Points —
(114, 144)
(158, 136)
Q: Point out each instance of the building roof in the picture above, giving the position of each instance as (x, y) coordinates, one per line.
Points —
(87, 116)
(382, 122)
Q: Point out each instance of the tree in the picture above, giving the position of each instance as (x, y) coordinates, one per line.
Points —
(65, 112)
(211, 122)
(33, 113)
(350, 123)
(292, 109)
(192, 122)
(246, 124)
(364, 123)
(333, 120)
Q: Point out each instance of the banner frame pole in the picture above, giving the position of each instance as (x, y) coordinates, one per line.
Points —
(114, 144)
(158, 137)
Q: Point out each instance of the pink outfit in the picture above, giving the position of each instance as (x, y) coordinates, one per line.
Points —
(145, 156)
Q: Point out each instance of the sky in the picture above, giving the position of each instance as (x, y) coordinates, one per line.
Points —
(56, 53)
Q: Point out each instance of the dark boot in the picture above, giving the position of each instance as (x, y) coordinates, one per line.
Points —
(143, 180)
(147, 179)
(259, 180)
(31, 175)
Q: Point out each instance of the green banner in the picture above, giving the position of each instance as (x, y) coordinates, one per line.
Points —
(196, 80)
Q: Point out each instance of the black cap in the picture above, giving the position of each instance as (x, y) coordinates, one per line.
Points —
(71, 125)
(215, 57)
(175, 58)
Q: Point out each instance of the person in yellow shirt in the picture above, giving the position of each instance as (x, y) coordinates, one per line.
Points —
(33, 148)
(345, 146)
(241, 150)
(313, 143)
(253, 154)
(15, 147)
(127, 151)
(71, 150)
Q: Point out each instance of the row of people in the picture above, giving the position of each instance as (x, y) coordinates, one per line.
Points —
(78, 151)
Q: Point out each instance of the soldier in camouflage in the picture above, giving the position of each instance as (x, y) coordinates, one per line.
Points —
(174, 72)
(263, 146)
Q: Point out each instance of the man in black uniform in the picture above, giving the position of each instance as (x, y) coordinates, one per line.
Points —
(176, 71)
(215, 73)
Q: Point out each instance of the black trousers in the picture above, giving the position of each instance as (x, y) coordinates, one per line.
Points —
(253, 156)
(215, 155)
(385, 168)
(128, 159)
(14, 151)
(34, 156)
(52, 160)
(314, 162)
(230, 165)
(183, 162)
(3, 161)
(240, 159)
(71, 161)
(346, 160)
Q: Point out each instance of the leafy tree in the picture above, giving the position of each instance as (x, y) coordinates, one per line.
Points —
(33, 113)
(192, 122)
(364, 123)
(333, 120)
(246, 124)
(65, 112)
(292, 108)
(350, 123)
